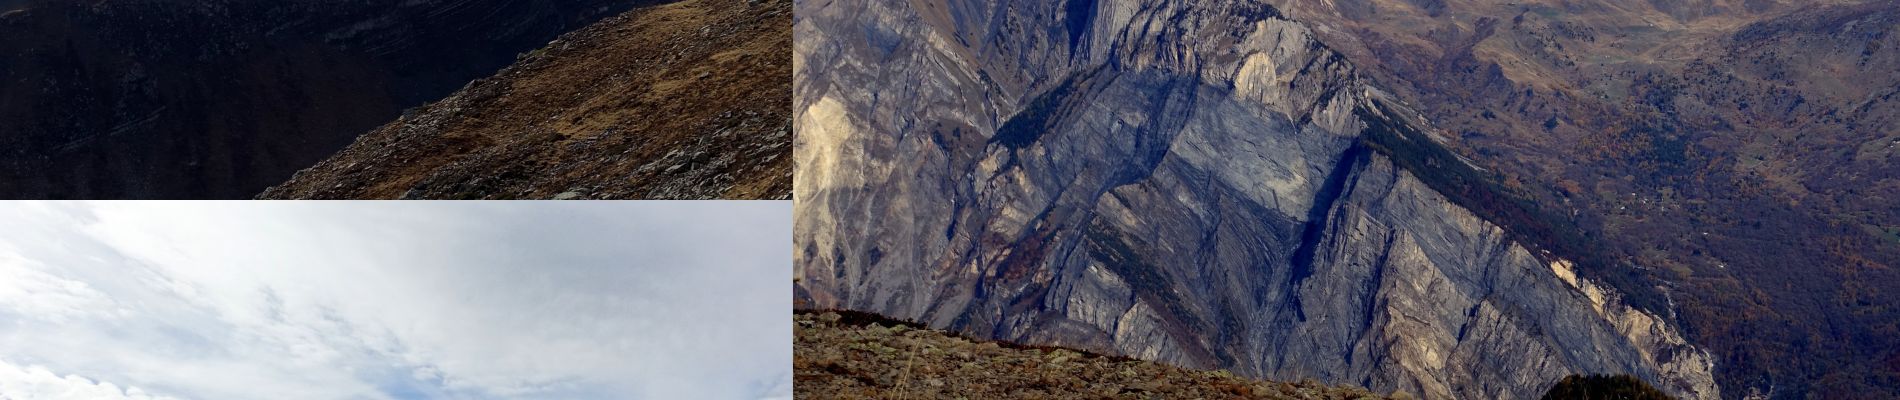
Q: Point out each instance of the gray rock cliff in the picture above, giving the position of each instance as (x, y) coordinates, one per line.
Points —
(1182, 181)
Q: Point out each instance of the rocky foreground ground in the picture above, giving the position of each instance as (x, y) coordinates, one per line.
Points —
(851, 355)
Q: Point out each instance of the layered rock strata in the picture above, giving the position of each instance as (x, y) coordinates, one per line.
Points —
(1193, 182)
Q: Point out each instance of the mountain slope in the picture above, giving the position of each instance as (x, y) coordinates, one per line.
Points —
(683, 101)
(1201, 183)
(1739, 153)
(222, 98)
(847, 355)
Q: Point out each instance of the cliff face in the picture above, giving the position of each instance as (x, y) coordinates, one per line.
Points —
(1742, 152)
(1190, 182)
(689, 100)
(222, 98)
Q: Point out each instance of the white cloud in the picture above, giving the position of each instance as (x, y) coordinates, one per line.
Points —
(780, 389)
(383, 300)
(31, 293)
(37, 383)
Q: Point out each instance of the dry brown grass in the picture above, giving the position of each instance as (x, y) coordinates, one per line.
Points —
(685, 100)
(854, 355)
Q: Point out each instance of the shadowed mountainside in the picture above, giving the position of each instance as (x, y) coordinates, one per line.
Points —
(222, 98)
(1604, 387)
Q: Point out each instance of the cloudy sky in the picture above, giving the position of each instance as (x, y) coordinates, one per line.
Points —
(395, 300)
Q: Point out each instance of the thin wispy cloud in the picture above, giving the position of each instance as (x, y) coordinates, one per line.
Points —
(386, 300)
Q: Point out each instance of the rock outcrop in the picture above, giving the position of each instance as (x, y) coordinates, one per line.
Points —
(1196, 182)
(688, 100)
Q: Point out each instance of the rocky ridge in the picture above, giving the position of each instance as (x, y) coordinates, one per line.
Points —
(688, 100)
(1199, 183)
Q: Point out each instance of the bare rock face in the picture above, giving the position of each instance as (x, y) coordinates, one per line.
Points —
(1721, 145)
(1189, 182)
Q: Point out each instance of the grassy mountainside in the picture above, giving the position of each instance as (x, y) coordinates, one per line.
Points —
(855, 355)
(688, 100)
